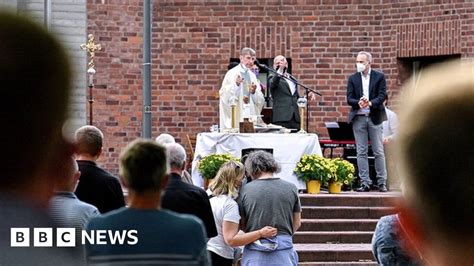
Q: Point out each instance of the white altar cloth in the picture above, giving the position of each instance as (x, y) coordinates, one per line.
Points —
(287, 150)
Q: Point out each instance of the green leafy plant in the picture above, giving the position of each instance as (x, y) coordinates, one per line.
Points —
(314, 167)
(344, 171)
(209, 165)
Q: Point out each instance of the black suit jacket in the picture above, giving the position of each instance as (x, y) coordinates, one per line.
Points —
(99, 187)
(284, 103)
(377, 92)
(185, 198)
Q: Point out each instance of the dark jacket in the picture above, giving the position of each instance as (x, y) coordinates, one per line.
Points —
(99, 187)
(182, 197)
(377, 92)
(284, 103)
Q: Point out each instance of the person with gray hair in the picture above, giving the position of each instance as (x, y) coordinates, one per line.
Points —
(182, 197)
(165, 138)
(366, 91)
(97, 187)
(269, 200)
(241, 87)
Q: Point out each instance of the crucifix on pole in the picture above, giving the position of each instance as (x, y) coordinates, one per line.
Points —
(91, 47)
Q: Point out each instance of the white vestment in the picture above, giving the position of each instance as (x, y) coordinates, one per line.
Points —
(229, 89)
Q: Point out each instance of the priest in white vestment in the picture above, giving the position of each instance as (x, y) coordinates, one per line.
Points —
(240, 86)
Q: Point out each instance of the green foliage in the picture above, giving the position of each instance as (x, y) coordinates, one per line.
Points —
(314, 167)
(210, 164)
(344, 171)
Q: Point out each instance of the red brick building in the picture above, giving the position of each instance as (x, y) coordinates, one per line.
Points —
(193, 41)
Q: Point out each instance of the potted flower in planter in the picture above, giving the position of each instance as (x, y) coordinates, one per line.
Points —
(343, 174)
(314, 170)
(209, 165)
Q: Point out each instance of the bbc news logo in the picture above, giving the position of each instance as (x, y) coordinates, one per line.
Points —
(66, 237)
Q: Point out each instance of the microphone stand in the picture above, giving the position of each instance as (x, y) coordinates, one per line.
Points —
(307, 90)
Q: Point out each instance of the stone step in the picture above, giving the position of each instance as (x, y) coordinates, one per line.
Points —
(338, 225)
(350, 199)
(333, 237)
(345, 212)
(338, 263)
(334, 252)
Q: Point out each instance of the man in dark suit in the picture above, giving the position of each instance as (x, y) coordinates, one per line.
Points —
(366, 92)
(97, 186)
(182, 197)
(285, 94)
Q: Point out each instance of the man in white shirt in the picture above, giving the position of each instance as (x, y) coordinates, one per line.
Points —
(366, 90)
(390, 125)
(240, 87)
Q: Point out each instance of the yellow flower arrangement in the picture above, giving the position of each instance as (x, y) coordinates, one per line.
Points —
(314, 167)
(344, 171)
(209, 165)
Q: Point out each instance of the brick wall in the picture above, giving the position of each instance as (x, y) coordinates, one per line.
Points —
(193, 41)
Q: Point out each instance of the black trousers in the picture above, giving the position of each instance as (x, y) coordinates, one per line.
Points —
(220, 261)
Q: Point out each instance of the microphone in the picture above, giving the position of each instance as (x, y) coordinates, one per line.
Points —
(256, 62)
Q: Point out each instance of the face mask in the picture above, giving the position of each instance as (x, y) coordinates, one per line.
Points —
(360, 67)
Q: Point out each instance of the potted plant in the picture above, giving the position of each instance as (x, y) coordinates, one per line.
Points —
(343, 174)
(209, 165)
(314, 170)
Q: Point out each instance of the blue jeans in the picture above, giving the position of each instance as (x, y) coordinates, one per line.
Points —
(271, 251)
(364, 128)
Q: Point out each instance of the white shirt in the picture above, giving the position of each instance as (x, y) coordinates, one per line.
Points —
(224, 208)
(292, 85)
(365, 91)
(390, 125)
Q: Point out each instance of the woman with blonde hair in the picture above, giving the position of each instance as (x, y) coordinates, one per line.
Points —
(222, 193)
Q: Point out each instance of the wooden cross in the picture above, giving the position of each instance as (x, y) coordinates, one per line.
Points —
(91, 47)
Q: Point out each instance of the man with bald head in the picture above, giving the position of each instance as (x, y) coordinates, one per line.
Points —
(285, 94)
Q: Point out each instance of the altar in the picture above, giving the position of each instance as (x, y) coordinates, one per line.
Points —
(287, 149)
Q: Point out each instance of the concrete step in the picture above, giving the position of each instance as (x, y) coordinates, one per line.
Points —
(350, 199)
(333, 237)
(345, 212)
(338, 263)
(334, 252)
(338, 225)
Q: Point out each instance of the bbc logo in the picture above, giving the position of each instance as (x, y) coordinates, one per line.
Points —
(42, 237)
